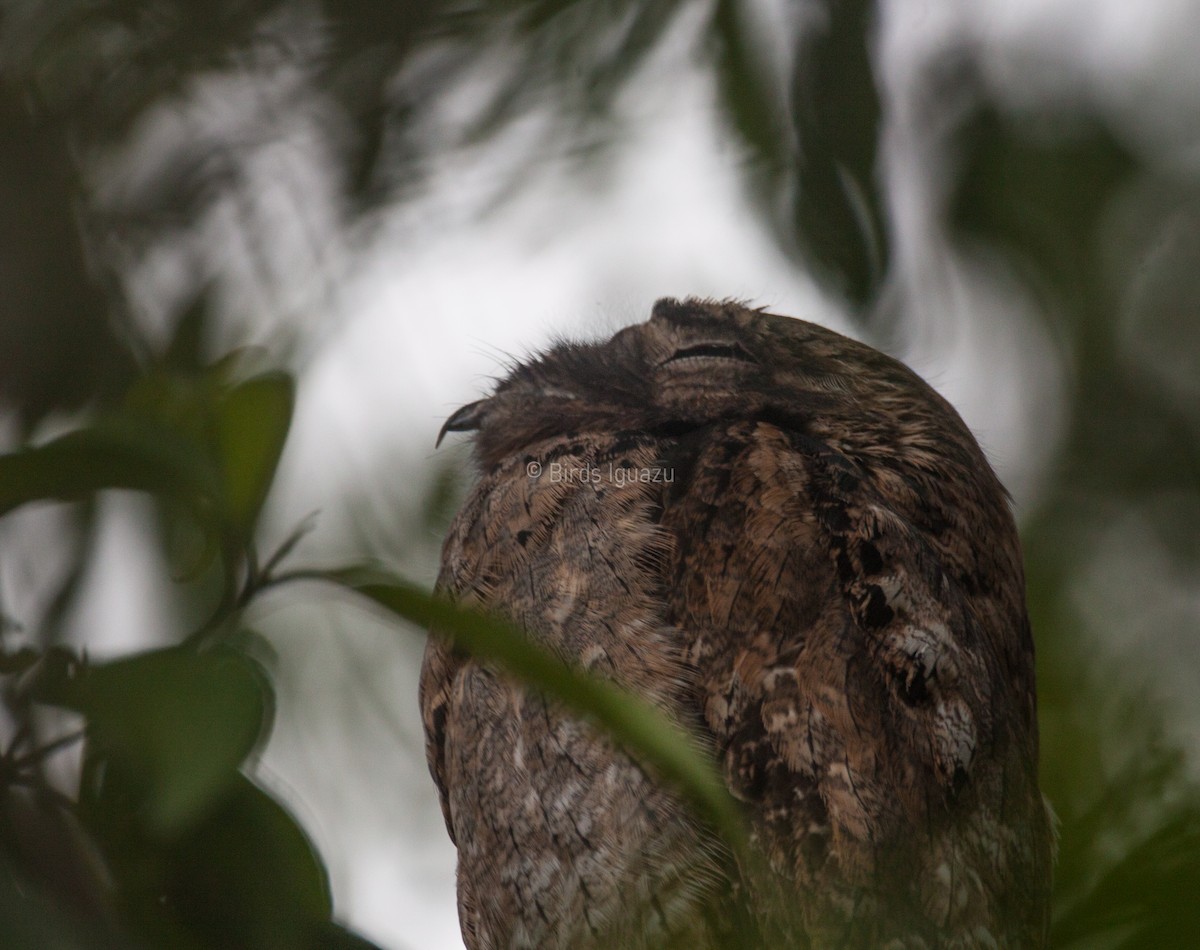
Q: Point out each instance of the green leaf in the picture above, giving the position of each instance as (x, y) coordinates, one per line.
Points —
(182, 721)
(642, 729)
(114, 452)
(247, 876)
(336, 937)
(186, 348)
(1042, 199)
(1147, 895)
(252, 426)
(839, 214)
(814, 137)
(31, 916)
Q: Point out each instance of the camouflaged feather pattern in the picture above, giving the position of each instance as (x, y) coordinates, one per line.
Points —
(794, 547)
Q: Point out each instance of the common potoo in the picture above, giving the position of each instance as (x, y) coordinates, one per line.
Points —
(794, 547)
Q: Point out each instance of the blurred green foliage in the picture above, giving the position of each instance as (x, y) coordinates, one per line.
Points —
(1129, 854)
(168, 840)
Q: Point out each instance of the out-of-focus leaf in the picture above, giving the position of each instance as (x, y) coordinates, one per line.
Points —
(242, 422)
(184, 721)
(114, 452)
(1040, 198)
(17, 661)
(642, 729)
(294, 537)
(55, 870)
(1043, 190)
(31, 918)
(58, 347)
(1129, 847)
(186, 348)
(244, 875)
(336, 937)
(247, 876)
(252, 426)
(191, 545)
(750, 95)
(839, 214)
(367, 41)
(179, 402)
(1148, 895)
(815, 166)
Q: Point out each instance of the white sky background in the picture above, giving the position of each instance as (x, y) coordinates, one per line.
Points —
(419, 311)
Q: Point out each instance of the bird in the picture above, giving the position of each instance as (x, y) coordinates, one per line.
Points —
(793, 547)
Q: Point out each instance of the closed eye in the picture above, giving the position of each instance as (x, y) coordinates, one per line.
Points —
(720, 351)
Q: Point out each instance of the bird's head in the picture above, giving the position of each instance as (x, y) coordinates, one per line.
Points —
(695, 362)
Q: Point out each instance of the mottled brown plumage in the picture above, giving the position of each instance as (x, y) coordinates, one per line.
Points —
(795, 548)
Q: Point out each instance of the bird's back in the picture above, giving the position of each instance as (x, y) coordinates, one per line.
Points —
(793, 547)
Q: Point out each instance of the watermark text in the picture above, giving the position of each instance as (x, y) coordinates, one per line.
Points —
(617, 474)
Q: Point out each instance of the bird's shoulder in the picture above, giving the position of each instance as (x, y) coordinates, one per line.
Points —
(848, 680)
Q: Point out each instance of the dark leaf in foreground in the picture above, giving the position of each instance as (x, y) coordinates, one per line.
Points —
(115, 452)
(252, 426)
(183, 721)
(639, 727)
